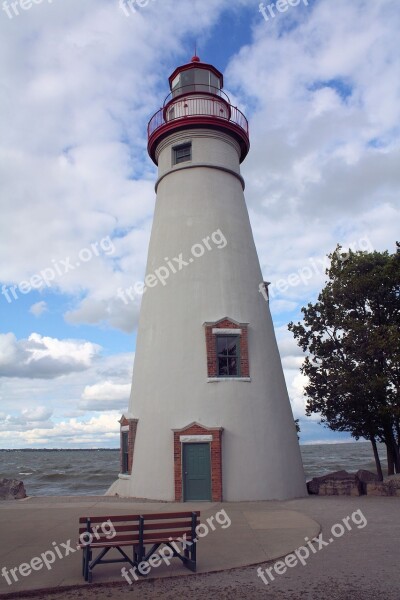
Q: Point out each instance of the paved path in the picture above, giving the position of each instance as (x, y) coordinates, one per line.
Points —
(244, 533)
(361, 564)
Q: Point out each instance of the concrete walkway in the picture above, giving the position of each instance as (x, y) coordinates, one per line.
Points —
(258, 532)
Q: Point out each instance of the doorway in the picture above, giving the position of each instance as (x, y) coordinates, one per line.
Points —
(196, 476)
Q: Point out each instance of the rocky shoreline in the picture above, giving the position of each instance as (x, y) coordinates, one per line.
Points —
(361, 483)
(12, 489)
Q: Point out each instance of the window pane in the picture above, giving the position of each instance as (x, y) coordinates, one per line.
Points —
(228, 345)
(187, 79)
(222, 344)
(232, 366)
(228, 350)
(182, 153)
(202, 80)
(232, 347)
(175, 82)
(214, 81)
(125, 454)
(223, 370)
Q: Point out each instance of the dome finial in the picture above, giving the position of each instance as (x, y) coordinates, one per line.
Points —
(195, 58)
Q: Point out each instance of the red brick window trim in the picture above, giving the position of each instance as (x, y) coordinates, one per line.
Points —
(211, 332)
(129, 427)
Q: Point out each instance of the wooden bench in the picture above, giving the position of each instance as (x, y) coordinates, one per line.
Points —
(123, 532)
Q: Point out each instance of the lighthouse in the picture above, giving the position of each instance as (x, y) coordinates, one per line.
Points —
(209, 415)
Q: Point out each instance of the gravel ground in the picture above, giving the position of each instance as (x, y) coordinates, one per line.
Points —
(363, 564)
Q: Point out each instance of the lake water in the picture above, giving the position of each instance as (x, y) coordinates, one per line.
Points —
(91, 472)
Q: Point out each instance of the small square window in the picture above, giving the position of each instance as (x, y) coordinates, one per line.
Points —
(182, 153)
(228, 353)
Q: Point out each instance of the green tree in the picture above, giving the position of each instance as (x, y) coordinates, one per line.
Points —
(352, 339)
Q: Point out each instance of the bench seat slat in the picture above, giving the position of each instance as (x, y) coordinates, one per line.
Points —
(108, 544)
(113, 544)
(134, 539)
(166, 534)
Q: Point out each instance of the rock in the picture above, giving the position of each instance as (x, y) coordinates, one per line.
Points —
(342, 485)
(314, 485)
(379, 488)
(12, 489)
(366, 477)
(394, 482)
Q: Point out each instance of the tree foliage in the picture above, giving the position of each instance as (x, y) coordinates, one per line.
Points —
(352, 339)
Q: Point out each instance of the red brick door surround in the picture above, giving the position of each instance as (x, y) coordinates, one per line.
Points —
(192, 433)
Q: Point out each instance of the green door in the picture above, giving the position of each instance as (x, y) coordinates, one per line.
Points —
(196, 472)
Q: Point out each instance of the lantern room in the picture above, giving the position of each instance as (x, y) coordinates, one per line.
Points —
(196, 77)
(197, 100)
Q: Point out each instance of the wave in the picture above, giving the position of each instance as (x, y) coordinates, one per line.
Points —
(59, 475)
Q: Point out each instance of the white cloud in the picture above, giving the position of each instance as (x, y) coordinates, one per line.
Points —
(35, 411)
(39, 413)
(80, 118)
(105, 396)
(44, 357)
(319, 85)
(38, 308)
(93, 432)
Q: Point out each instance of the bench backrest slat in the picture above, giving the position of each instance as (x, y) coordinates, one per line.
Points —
(176, 515)
(113, 518)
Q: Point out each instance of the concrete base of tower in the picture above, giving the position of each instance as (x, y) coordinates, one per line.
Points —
(120, 488)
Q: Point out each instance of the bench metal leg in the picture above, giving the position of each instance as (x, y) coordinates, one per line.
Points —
(86, 562)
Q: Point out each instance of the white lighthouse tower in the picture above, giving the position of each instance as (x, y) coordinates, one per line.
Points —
(209, 415)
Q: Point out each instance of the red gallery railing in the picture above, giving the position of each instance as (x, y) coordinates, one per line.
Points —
(197, 106)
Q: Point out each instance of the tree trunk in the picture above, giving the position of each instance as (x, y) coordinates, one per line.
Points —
(390, 460)
(398, 433)
(377, 459)
(392, 451)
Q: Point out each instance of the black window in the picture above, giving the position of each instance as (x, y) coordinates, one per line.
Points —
(182, 153)
(228, 355)
(124, 449)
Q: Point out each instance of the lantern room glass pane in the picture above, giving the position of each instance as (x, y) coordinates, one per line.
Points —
(202, 80)
(175, 82)
(195, 80)
(214, 81)
(187, 81)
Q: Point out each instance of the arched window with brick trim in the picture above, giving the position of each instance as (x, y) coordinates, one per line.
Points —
(227, 350)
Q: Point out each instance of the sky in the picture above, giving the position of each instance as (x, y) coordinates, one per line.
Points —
(319, 83)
